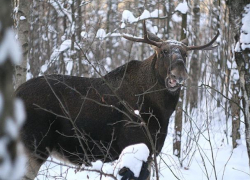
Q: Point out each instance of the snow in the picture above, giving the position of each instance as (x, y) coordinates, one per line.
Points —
(145, 14)
(137, 112)
(12, 168)
(176, 18)
(132, 157)
(101, 34)
(10, 48)
(108, 61)
(61, 11)
(237, 47)
(123, 25)
(245, 29)
(155, 13)
(128, 17)
(15, 10)
(182, 7)
(22, 18)
(97, 165)
(174, 42)
(44, 68)
(19, 112)
(84, 34)
(69, 67)
(11, 128)
(65, 45)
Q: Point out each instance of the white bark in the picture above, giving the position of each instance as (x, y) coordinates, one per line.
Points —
(23, 26)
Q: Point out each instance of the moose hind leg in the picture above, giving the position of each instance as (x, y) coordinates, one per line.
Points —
(32, 167)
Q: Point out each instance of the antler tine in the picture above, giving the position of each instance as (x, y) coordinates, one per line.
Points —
(145, 38)
(208, 46)
(149, 41)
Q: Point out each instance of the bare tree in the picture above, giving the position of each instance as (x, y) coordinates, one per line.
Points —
(10, 158)
(22, 25)
(179, 108)
(192, 90)
(242, 58)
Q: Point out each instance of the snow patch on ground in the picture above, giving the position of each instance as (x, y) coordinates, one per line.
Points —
(132, 157)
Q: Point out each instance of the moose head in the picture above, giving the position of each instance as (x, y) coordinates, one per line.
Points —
(170, 60)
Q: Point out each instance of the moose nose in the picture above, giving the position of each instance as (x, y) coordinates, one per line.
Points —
(179, 80)
(179, 77)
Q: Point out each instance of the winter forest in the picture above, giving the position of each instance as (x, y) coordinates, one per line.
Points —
(208, 135)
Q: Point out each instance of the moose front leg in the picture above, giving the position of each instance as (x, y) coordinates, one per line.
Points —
(135, 158)
(127, 174)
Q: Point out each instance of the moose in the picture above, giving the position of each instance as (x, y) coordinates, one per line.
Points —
(82, 120)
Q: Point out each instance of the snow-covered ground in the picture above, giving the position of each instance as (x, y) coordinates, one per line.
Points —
(207, 154)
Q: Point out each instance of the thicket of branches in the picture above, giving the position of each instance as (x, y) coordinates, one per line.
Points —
(84, 38)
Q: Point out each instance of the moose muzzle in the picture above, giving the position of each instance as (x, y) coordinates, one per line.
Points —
(177, 76)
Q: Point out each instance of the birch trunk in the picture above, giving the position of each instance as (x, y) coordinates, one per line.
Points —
(23, 28)
(179, 108)
(242, 58)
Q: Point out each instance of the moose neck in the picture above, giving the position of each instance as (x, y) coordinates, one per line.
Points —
(155, 72)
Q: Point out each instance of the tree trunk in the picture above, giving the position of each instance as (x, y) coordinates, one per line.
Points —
(179, 113)
(10, 148)
(235, 111)
(192, 90)
(23, 28)
(242, 58)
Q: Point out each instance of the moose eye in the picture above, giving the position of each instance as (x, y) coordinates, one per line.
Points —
(165, 52)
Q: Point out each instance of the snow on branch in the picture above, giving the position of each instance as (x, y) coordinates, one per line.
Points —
(61, 11)
(128, 17)
(182, 7)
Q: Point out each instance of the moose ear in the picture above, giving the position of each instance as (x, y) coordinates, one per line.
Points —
(185, 41)
(156, 49)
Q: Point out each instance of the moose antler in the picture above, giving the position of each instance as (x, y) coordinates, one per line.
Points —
(208, 46)
(145, 39)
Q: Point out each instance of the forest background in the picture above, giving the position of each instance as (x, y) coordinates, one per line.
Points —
(209, 135)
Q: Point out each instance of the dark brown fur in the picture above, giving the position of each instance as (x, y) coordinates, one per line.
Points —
(87, 102)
